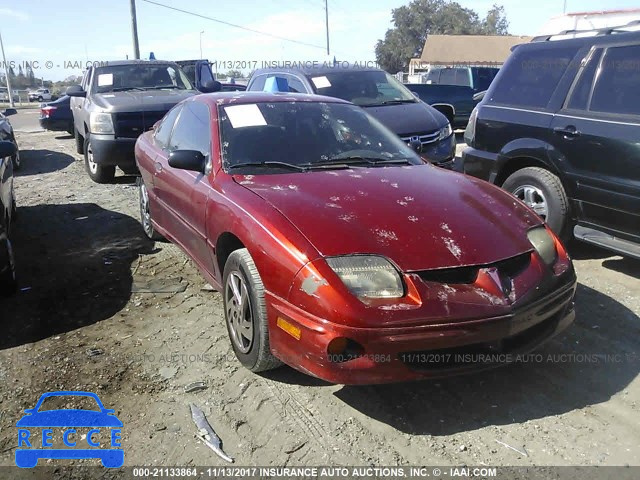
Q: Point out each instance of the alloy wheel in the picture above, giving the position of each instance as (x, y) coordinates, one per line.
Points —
(533, 198)
(145, 214)
(93, 166)
(239, 313)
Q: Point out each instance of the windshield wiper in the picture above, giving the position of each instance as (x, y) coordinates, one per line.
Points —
(359, 160)
(268, 164)
(158, 87)
(396, 102)
(122, 89)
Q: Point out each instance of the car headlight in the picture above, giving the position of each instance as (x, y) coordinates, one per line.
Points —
(544, 244)
(445, 132)
(368, 276)
(100, 123)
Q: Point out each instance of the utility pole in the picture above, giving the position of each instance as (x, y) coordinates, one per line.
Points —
(6, 71)
(326, 18)
(201, 44)
(134, 30)
(564, 8)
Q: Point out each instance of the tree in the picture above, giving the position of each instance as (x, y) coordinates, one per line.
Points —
(413, 22)
(234, 74)
(31, 78)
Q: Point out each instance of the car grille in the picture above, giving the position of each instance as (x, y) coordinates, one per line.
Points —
(508, 268)
(133, 124)
(424, 138)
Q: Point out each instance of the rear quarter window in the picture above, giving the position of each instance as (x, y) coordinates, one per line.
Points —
(531, 76)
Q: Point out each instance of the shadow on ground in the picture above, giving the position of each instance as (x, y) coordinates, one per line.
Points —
(36, 162)
(74, 269)
(600, 359)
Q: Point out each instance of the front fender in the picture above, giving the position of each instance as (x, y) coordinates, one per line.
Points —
(531, 148)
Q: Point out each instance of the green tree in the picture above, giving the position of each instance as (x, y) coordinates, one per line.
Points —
(31, 78)
(413, 22)
(234, 74)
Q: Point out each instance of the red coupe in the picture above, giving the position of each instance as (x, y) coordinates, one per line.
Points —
(339, 251)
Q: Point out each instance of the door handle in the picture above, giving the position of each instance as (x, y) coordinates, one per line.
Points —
(569, 131)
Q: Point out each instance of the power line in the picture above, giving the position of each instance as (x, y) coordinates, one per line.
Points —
(234, 25)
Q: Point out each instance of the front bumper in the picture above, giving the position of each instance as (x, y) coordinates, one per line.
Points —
(418, 352)
(441, 153)
(480, 164)
(111, 151)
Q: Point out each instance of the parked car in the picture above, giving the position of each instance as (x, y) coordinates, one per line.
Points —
(338, 250)
(233, 87)
(7, 211)
(4, 95)
(40, 95)
(6, 134)
(116, 103)
(381, 95)
(451, 90)
(559, 129)
(57, 115)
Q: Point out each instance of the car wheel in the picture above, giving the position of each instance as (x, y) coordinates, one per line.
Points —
(246, 313)
(98, 173)
(543, 192)
(8, 284)
(15, 160)
(40, 99)
(70, 129)
(79, 141)
(145, 212)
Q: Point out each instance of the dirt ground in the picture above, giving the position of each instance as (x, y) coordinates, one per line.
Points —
(76, 325)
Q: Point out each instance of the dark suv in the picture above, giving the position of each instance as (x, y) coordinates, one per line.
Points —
(559, 128)
(380, 94)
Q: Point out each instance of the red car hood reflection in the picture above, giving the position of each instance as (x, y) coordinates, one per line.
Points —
(420, 217)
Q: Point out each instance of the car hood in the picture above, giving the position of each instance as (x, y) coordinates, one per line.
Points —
(421, 217)
(136, 101)
(408, 118)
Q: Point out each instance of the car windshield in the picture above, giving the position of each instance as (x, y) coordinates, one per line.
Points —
(306, 135)
(140, 76)
(364, 88)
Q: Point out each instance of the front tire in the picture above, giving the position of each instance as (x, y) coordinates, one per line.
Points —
(246, 313)
(15, 160)
(98, 173)
(543, 192)
(145, 212)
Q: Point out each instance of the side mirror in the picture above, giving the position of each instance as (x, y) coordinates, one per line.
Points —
(416, 145)
(415, 95)
(7, 149)
(210, 86)
(187, 160)
(9, 111)
(155, 126)
(479, 96)
(76, 91)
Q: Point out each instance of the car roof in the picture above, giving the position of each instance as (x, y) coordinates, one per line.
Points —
(112, 63)
(243, 97)
(317, 70)
(620, 37)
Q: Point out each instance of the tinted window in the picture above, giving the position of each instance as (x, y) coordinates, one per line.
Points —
(295, 85)
(205, 73)
(616, 89)
(192, 130)
(164, 129)
(582, 90)
(483, 78)
(362, 87)
(140, 76)
(258, 83)
(530, 77)
(455, 76)
(433, 76)
(305, 133)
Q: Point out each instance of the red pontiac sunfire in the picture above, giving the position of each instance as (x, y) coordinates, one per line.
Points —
(338, 250)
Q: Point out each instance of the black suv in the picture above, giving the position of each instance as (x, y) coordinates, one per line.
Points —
(560, 129)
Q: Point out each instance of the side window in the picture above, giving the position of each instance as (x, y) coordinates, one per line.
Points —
(193, 129)
(258, 83)
(582, 89)
(447, 76)
(616, 89)
(483, 78)
(433, 76)
(530, 77)
(295, 85)
(205, 73)
(85, 79)
(163, 132)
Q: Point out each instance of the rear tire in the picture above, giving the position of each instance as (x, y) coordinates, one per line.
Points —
(246, 313)
(8, 283)
(98, 173)
(145, 212)
(15, 160)
(542, 191)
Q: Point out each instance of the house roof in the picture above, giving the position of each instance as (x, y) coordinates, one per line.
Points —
(469, 49)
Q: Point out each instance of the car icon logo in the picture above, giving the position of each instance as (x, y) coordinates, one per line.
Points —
(65, 421)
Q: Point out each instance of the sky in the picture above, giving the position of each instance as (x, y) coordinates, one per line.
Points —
(64, 35)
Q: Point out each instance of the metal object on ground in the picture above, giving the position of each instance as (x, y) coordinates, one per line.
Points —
(206, 433)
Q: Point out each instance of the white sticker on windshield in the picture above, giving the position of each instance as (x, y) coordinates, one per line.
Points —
(321, 82)
(105, 79)
(245, 116)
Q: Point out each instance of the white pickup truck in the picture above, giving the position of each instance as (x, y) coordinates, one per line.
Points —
(40, 95)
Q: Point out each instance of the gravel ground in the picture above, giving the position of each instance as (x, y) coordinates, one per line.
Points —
(76, 325)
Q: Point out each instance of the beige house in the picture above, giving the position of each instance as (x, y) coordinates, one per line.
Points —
(467, 50)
